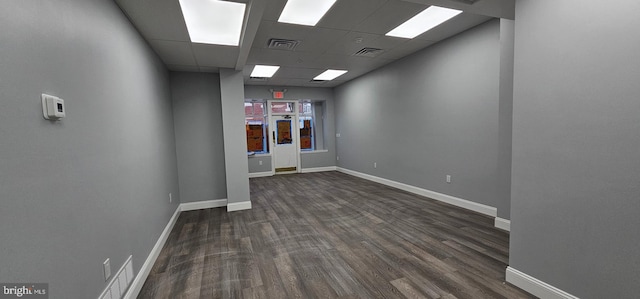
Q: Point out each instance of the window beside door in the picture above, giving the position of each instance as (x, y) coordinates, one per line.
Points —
(311, 118)
(307, 133)
(256, 126)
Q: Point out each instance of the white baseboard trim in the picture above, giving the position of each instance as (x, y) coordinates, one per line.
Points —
(239, 206)
(463, 203)
(136, 286)
(504, 224)
(535, 286)
(200, 205)
(318, 169)
(261, 174)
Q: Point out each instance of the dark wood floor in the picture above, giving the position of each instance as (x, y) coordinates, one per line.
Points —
(331, 235)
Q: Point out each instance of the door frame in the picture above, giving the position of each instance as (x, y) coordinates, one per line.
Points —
(296, 127)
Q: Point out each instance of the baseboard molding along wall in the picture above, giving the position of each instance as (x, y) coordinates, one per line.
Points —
(136, 286)
(138, 282)
(459, 202)
(318, 169)
(261, 174)
(303, 170)
(200, 205)
(239, 206)
(503, 224)
(535, 286)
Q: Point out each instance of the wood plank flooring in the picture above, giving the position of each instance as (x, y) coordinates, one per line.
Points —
(331, 235)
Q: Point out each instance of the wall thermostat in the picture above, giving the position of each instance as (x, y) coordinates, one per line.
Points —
(52, 107)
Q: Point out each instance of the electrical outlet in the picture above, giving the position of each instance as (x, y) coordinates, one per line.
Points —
(338, 158)
(338, 135)
(106, 265)
(448, 179)
(375, 164)
(260, 162)
(170, 198)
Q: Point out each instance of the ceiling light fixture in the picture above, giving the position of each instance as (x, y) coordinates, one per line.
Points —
(305, 12)
(264, 71)
(424, 21)
(213, 22)
(330, 75)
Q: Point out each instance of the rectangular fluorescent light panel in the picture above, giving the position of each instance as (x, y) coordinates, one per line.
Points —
(213, 22)
(424, 21)
(329, 75)
(264, 71)
(305, 12)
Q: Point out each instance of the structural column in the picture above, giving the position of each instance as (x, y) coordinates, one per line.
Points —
(235, 142)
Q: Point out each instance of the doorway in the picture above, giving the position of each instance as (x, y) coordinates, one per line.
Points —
(284, 136)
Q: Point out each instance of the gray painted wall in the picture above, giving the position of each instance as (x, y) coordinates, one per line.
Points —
(505, 116)
(197, 117)
(254, 163)
(576, 141)
(308, 160)
(431, 114)
(235, 138)
(94, 185)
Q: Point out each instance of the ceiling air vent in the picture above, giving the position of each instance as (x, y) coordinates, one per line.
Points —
(368, 52)
(261, 79)
(283, 44)
(317, 81)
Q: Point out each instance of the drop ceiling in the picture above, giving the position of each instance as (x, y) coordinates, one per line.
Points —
(348, 27)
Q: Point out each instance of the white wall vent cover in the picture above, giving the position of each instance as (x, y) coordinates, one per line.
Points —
(368, 52)
(283, 44)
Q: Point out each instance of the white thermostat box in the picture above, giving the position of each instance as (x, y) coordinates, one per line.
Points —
(52, 107)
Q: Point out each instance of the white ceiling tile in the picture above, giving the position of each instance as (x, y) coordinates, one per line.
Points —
(325, 84)
(208, 69)
(389, 16)
(493, 8)
(407, 48)
(346, 14)
(332, 61)
(456, 25)
(269, 30)
(280, 57)
(287, 82)
(183, 68)
(246, 71)
(273, 10)
(333, 83)
(298, 72)
(158, 19)
(321, 39)
(177, 53)
(251, 82)
(215, 56)
(347, 45)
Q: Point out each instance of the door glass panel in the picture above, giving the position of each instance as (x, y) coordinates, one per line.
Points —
(258, 109)
(282, 107)
(284, 131)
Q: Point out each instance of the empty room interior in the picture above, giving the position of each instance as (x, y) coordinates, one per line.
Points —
(319, 149)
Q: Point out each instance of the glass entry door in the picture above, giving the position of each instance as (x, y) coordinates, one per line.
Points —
(284, 138)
